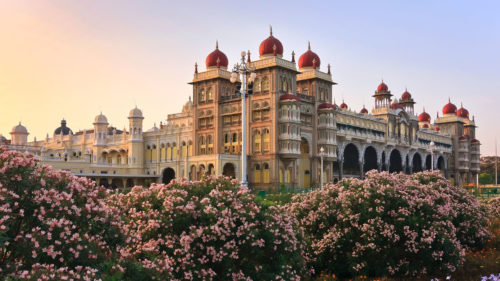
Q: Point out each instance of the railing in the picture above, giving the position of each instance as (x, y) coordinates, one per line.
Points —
(483, 191)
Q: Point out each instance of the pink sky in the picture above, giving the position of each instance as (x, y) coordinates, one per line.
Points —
(63, 59)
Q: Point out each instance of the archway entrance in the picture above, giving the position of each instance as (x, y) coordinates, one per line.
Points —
(228, 170)
(440, 163)
(417, 163)
(395, 160)
(370, 159)
(351, 160)
(168, 175)
(428, 163)
(407, 164)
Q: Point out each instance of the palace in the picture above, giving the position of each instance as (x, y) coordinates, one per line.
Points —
(291, 115)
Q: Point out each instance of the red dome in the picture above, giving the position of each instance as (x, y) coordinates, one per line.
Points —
(425, 126)
(382, 87)
(449, 108)
(309, 59)
(436, 129)
(474, 141)
(462, 112)
(364, 110)
(343, 105)
(286, 97)
(406, 95)
(216, 58)
(267, 46)
(326, 106)
(424, 117)
(462, 138)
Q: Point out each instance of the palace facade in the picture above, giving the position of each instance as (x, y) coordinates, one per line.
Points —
(291, 115)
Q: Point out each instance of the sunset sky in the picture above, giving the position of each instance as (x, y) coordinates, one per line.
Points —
(74, 59)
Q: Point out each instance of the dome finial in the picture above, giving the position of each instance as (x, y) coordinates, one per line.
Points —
(461, 105)
(309, 45)
(216, 44)
(329, 72)
(424, 108)
(195, 67)
(270, 30)
(293, 56)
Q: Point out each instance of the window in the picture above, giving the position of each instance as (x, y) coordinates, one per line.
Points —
(210, 94)
(266, 173)
(265, 84)
(256, 174)
(201, 96)
(235, 137)
(266, 140)
(257, 86)
(256, 141)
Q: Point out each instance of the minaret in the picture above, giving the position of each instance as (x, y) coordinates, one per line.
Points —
(100, 130)
(135, 139)
(19, 135)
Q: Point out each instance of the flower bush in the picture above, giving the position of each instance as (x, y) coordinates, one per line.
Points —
(208, 230)
(390, 224)
(53, 225)
(493, 207)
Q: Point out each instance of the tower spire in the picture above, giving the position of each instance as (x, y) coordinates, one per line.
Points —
(270, 30)
(309, 45)
(216, 44)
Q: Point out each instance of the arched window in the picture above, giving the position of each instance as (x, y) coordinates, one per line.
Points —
(190, 148)
(256, 85)
(174, 151)
(235, 137)
(201, 96)
(184, 149)
(210, 94)
(169, 151)
(256, 112)
(266, 140)
(266, 176)
(256, 141)
(256, 174)
(162, 152)
(148, 153)
(265, 84)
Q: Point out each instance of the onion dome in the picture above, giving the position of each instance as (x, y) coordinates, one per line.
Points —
(309, 59)
(462, 112)
(475, 141)
(19, 129)
(343, 105)
(364, 110)
(436, 129)
(382, 87)
(101, 119)
(271, 46)
(289, 97)
(326, 106)
(425, 126)
(462, 138)
(449, 108)
(216, 59)
(135, 113)
(424, 117)
(63, 129)
(406, 95)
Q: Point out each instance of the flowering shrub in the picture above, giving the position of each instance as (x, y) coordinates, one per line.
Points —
(208, 230)
(493, 207)
(53, 225)
(389, 224)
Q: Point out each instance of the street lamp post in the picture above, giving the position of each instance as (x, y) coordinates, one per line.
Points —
(321, 154)
(431, 146)
(241, 69)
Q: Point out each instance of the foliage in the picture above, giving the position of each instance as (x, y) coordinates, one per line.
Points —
(389, 225)
(51, 222)
(493, 207)
(485, 178)
(208, 230)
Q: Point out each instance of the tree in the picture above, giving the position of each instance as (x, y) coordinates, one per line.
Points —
(485, 178)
